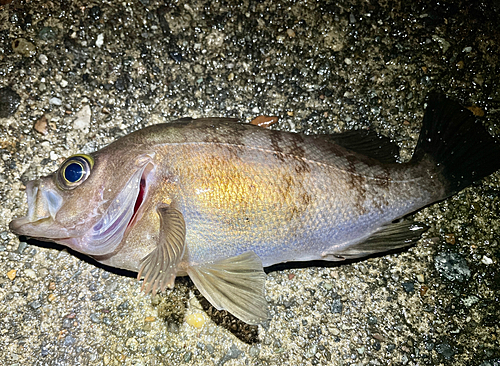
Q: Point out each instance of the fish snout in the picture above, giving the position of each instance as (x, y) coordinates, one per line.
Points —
(43, 204)
(43, 200)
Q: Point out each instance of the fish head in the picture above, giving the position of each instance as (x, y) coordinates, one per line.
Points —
(89, 202)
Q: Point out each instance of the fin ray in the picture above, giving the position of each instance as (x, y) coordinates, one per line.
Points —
(388, 237)
(368, 143)
(234, 284)
(160, 266)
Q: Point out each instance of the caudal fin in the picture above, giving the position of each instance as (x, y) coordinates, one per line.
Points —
(456, 142)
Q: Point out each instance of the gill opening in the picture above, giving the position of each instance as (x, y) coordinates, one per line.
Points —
(141, 195)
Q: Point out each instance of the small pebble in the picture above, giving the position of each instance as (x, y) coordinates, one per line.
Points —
(231, 354)
(450, 238)
(486, 260)
(290, 33)
(100, 40)
(423, 290)
(253, 351)
(67, 323)
(196, 320)
(12, 274)
(28, 272)
(210, 349)
(95, 318)
(55, 101)
(69, 340)
(23, 47)
(41, 125)
(476, 111)
(420, 278)
(452, 266)
(336, 306)
(82, 121)
(132, 344)
(96, 297)
(445, 350)
(47, 34)
(409, 287)
(149, 319)
(35, 304)
(51, 297)
(187, 356)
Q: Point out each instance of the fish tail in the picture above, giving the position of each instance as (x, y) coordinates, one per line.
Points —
(461, 147)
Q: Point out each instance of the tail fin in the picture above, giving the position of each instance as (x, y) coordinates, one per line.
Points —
(462, 147)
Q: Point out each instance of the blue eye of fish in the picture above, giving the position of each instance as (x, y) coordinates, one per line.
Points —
(74, 171)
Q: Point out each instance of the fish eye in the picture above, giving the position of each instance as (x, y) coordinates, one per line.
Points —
(74, 171)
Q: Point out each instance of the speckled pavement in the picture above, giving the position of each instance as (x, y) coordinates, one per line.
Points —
(76, 75)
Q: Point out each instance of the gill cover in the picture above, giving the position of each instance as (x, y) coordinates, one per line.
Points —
(105, 236)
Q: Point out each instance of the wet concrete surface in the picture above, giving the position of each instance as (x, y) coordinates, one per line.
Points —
(75, 76)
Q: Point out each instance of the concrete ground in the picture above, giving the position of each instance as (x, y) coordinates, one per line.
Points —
(76, 75)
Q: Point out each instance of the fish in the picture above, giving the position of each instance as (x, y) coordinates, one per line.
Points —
(219, 200)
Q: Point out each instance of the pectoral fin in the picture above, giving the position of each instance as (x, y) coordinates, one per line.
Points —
(160, 266)
(388, 237)
(235, 284)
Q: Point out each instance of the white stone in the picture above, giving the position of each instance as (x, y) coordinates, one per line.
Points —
(55, 101)
(100, 40)
(486, 260)
(82, 121)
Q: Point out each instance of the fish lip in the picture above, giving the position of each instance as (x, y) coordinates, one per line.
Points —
(23, 226)
(17, 224)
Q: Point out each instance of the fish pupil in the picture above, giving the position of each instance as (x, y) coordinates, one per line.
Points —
(73, 172)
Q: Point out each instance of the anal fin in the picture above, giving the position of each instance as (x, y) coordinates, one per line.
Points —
(234, 284)
(160, 266)
(388, 237)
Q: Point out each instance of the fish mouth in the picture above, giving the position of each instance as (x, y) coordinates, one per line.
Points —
(43, 204)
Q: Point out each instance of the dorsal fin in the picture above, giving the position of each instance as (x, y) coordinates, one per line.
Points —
(367, 143)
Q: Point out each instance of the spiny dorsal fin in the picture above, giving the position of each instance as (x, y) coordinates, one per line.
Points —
(234, 284)
(160, 266)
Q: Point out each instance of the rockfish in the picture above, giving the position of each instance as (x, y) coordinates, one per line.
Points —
(218, 200)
